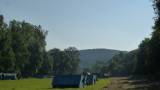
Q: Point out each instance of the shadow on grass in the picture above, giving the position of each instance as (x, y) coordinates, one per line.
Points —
(48, 88)
(144, 88)
(59, 88)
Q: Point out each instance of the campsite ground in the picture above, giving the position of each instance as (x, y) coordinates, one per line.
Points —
(126, 83)
(116, 83)
(44, 84)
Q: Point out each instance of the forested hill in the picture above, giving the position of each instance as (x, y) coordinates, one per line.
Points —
(89, 57)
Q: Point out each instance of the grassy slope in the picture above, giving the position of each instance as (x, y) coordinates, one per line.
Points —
(44, 84)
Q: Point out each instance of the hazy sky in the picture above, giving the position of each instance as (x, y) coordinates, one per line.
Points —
(112, 24)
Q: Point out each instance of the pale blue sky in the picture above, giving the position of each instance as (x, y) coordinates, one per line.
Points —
(85, 24)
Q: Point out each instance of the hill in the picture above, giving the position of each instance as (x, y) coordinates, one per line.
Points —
(89, 57)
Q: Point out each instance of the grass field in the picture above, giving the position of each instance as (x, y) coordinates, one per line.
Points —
(44, 84)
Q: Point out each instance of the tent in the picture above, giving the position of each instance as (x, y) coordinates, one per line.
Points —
(8, 76)
(68, 81)
(91, 79)
(0, 76)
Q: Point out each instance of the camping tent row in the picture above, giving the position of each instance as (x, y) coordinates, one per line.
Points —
(8, 76)
(73, 81)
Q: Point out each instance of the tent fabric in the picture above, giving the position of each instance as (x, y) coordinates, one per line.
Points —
(8, 76)
(68, 81)
(91, 79)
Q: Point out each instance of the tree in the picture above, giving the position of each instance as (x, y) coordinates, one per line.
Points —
(73, 53)
(65, 62)
(122, 63)
(7, 58)
(19, 46)
(22, 48)
(36, 47)
(155, 42)
(60, 61)
(47, 65)
(143, 58)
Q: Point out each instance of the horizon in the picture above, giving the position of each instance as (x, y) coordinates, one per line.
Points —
(97, 49)
(86, 24)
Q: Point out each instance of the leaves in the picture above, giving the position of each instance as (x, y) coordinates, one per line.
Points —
(22, 47)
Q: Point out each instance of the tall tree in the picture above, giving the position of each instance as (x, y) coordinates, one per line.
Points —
(47, 65)
(155, 41)
(7, 57)
(22, 48)
(65, 62)
(143, 58)
(60, 61)
(19, 46)
(73, 53)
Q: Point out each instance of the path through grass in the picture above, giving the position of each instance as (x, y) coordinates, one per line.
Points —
(127, 83)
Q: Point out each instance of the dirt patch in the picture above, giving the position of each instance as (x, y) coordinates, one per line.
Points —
(125, 83)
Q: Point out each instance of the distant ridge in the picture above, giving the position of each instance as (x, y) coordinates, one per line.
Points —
(89, 57)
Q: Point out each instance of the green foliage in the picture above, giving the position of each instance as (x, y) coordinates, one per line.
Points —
(22, 48)
(98, 67)
(59, 59)
(74, 60)
(146, 60)
(155, 42)
(143, 55)
(47, 65)
(65, 62)
(7, 57)
(122, 63)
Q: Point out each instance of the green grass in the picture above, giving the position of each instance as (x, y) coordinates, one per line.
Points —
(44, 84)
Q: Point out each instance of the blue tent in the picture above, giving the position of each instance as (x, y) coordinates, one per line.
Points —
(8, 76)
(91, 79)
(68, 81)
(0, 76)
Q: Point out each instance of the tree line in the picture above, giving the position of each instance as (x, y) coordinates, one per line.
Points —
(22, 51)
(148, 57)
(65, 61)
(144, 61)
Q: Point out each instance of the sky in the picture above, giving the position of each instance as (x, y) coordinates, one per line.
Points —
(86, 24)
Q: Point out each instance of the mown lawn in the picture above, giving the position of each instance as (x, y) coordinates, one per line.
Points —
(45, 84)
